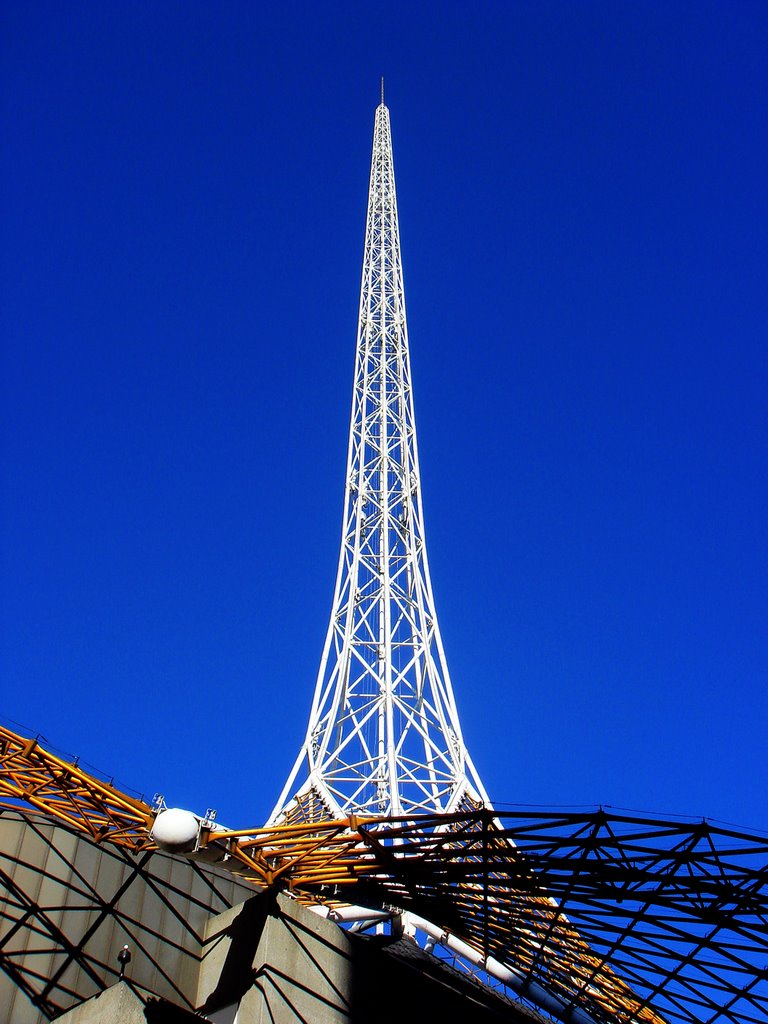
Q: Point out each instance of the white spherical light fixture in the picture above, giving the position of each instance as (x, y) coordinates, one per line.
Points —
(176, 830)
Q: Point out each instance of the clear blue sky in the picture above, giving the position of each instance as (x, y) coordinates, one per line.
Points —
(584, 215)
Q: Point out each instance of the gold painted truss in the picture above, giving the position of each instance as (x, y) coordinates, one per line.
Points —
(33, 775)
(625, 917)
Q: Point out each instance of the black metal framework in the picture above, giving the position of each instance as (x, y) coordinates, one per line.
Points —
(676, 910)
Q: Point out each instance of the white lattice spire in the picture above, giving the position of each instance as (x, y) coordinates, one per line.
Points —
(384, 735)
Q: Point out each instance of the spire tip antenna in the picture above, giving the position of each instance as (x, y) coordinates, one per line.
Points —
(382, 90)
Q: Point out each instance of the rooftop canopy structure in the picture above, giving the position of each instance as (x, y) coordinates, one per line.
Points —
(600, 915)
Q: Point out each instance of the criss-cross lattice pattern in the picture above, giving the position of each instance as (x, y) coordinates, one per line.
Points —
(677, 909)
(384, 734)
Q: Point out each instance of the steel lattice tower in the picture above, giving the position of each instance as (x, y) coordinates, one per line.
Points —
(591, 916)
(384, 735)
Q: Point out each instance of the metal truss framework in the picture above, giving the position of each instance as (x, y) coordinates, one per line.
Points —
(32, 774)
(384, 734)
(618, 917)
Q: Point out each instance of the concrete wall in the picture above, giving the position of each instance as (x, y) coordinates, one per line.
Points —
(67, 906)
(116, 1005)
(275, 961)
